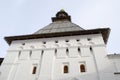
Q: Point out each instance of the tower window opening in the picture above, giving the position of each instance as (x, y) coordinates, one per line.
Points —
(89, 39)
(55, 50)
(34, 70)
(65, 69)
(77, 40)
(23, 44)
(82, 68)
(44, 42)
(42, 51)
(91, 49)
(19, 54)
(56, 41)
(67, 51)
(66, 40)
(78, 49)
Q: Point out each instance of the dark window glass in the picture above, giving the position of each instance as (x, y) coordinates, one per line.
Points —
(82, 68)
(44, 42)
(34, 70)
(56, 41)
(67, 40)
(78, 49)
(65, 69)
(77, 40)
(91, 49)
(89, 39)
(67, 50)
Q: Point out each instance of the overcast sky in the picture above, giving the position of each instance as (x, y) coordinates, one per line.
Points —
(20, 17)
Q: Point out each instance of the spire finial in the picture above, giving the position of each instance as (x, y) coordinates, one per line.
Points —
(62, 10)
(61, 16)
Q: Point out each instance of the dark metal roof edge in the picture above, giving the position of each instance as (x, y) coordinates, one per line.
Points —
(1, 58)
(104, 31)
(113, 55)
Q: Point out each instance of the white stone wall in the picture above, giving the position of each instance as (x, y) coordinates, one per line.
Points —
(50, 55)
(115, 59)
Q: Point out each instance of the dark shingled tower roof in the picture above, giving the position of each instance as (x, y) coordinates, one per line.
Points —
(61, 26)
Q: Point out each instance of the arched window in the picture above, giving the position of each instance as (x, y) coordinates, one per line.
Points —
(65, 69)
(82, 68)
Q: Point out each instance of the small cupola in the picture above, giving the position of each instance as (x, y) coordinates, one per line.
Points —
(61, 16)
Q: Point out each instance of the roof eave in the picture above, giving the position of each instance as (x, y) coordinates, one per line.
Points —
(104, 31)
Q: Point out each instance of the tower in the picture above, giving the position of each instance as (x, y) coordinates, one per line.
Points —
(61, 50)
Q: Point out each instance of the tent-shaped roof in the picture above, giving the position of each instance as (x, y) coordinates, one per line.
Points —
(60, 23)
(61, 26)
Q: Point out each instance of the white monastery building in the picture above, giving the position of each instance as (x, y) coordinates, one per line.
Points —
(61, 50)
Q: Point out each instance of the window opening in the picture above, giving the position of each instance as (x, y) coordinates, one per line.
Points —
(89, 39)
(56, 41)
(34, 70)
(82, 68)
(91, 49)
(67, 51)
(30, 53)
(44, 42)
(67, 40)
(19, 53)
(65, 69)
(78, 49)
(42, 51)
(55, 50)
(77, 40)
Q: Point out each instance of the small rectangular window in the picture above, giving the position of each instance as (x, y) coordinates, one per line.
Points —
(30, 53)
(56, 41)
(82, 68)
(89, 39)
(34, 70)
(66, 40)
(65, 69)
(44, 42)
(91, 48)
(77, 40)
(19, 54)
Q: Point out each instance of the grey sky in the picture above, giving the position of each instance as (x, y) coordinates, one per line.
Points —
(20, 17)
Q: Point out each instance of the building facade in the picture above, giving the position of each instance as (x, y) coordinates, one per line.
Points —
(61, 50)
